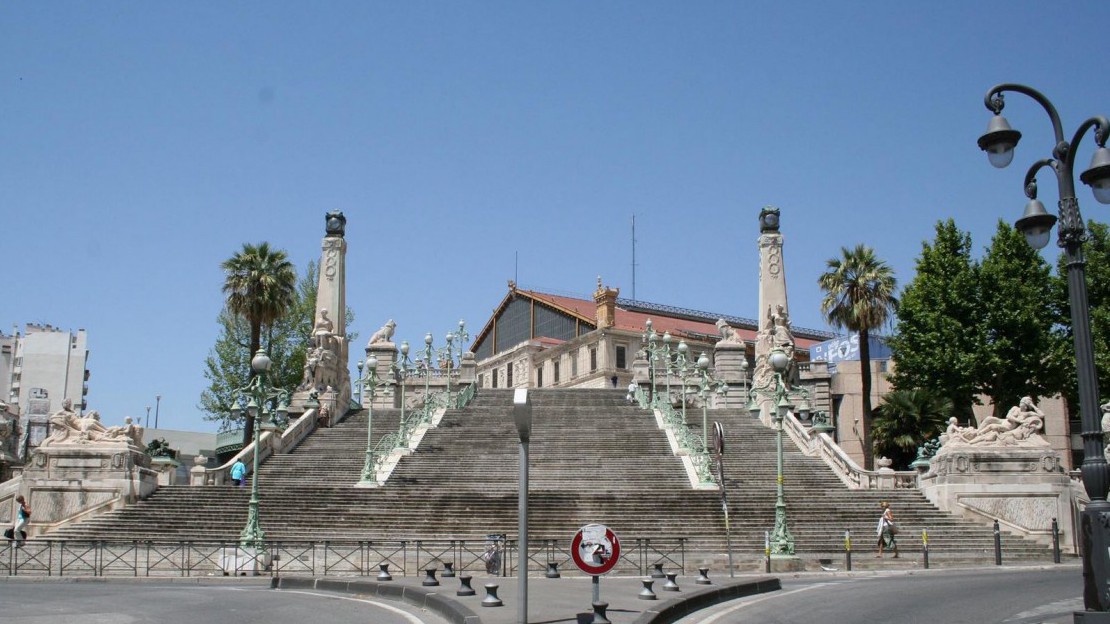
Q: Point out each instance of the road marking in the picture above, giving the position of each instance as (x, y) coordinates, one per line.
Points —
(768, 596)
(1060, 607)
(405, 614)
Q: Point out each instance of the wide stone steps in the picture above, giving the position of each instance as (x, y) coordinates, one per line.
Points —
(593, 458)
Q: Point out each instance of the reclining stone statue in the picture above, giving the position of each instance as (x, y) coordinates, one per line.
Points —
(1020, 427)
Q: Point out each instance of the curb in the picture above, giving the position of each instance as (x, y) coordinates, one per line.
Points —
(678, 608)
(436, 602)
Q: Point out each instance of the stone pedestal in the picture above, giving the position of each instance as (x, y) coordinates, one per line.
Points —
(166, 468)
(786, 563)
(69, 481)
(384, 394)
(1023, 488)
(731, 366)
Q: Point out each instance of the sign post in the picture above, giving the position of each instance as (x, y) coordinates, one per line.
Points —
(595, 549)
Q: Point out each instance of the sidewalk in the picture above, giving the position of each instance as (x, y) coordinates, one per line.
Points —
(565, 599)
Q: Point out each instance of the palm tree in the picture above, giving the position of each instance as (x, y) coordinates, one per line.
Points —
(859, 296)
(906, 419)
(261, 287)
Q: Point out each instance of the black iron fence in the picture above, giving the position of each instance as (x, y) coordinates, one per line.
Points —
(121, 558)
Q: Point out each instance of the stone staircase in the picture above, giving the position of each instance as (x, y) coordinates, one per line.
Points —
(594, 458)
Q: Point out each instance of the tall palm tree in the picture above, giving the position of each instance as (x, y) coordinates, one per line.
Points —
(859, 296)
(261, 287)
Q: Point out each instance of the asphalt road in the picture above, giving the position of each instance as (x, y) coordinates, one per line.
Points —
(149, 602)
(982, 596)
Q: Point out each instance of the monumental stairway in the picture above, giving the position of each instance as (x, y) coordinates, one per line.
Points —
(594, 459)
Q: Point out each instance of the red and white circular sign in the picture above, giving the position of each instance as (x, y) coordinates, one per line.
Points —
(595, 549)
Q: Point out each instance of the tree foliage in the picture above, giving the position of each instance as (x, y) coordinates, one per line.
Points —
(905, 420)
(938, 334)
(1097, 253)
(1016, 297)
(227, 366)
(859, 296)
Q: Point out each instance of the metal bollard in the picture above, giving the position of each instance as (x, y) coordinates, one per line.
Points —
(599, 613)
(925, 548)
(670, 585)
(1055, 541)
(646, 593)
(767, 550)
(848, 550)
(703, 577)
(430, 579)
(464, 586)
(448, 570)
(997, 544)
(384, 574)
(491, 599)
(552, 570)
(659, 573)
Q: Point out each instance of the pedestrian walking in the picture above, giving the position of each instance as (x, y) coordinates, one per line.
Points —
(22, 517)
(887, 531)
(239, 473)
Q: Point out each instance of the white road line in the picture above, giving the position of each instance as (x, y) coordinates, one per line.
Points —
(768, 596)
(405, 614)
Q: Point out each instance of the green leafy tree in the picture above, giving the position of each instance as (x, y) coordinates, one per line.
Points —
(260, 284)
(859, 296)
(905, 420)
(1097, 253)
(1016, 297)
(938, 333)
(227, 366)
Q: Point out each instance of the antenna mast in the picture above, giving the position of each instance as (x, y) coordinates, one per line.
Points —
(634, 257)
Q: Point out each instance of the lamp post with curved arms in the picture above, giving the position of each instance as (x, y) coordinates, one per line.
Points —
(680, 365)
(372, 383)
(781, 541)
(401, 368)
(1036, 224)
(667, 362)
(261, 395)
(707, 383)
(652, 349)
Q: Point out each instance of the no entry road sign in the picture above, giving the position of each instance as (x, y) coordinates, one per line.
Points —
(595, 549)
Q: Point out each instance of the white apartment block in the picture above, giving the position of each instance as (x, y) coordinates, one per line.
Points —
(42, 368)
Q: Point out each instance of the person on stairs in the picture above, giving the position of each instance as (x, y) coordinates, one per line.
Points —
(887, 530)
(22, 516)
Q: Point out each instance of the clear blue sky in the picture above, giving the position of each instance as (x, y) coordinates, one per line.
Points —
(142, 143)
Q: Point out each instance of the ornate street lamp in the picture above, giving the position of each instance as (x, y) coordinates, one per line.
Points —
(369, 467)
(652, 349)
(999, 143)
(261, 395)
(706, 384)
(681, 360)
(401, 370)
(667, 361)
(782, 542)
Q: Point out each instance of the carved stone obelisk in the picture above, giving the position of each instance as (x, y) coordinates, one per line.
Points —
(774, 323)
(326, 378)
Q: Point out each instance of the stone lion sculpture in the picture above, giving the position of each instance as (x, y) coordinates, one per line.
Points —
(383, 335)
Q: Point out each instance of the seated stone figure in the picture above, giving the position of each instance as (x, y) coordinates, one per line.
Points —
(67, 427)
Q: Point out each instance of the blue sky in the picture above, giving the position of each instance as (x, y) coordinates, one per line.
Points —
(143, 143)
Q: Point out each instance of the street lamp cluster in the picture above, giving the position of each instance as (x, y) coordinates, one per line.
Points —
(262, 402)
(1036, 224)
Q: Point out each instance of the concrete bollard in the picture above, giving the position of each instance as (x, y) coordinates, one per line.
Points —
(464, 586)
(491, 599)
(384, 574)
(430, 579)
(646, 593)
(703, 577)
(670, 585)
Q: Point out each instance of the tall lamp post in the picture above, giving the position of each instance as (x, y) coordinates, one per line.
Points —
(522, 416)
(1036, 224)
(260, 395)
(369, 470)
(667, 361)
(401, 369)
(705, 385)
(782, 542)
(680, 362)
(652, 349)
